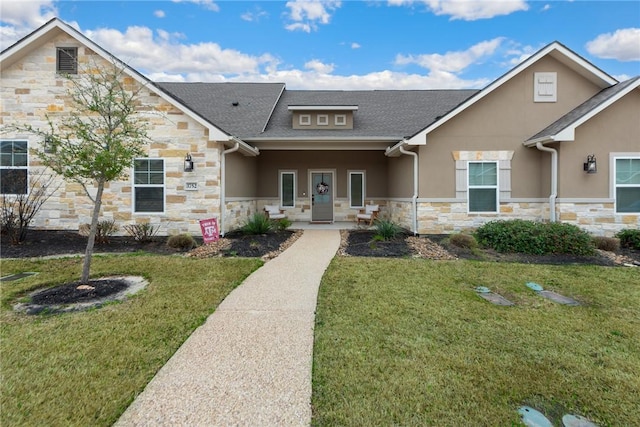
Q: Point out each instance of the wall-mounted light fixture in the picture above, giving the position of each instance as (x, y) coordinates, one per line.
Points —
(188, 163)
(48, 144)
(591, 166)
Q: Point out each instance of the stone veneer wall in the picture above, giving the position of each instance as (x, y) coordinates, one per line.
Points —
(450, 217)
(599, 219)
(31, 90)
(302, 211)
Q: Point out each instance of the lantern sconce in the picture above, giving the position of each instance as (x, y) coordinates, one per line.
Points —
(188, 163)
(48, 145)
(591, 166)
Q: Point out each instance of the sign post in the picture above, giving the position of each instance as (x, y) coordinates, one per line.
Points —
(209, 228)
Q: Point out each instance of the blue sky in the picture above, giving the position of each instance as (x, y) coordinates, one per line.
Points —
(395, 44)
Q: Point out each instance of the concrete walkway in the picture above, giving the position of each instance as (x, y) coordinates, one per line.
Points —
(250, 363)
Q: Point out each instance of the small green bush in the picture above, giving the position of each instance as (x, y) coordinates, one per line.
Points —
(609, 244)
(106, 228)
(183, 242)
(537, 238)
(464, 241)
(282, 224)
(387, 229)
(142, 233)
(259, 223)
(629, 238)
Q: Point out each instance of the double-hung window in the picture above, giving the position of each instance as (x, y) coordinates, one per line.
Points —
(13, 167)
(627, 185)
(287, 189)
(148, 185)
(483, 186)
(356, 189)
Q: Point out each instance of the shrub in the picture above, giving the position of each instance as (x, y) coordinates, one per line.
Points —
(387, 229)
(282, 224)
(535, 238)
(629, 238)
(106, 228)
(183, 242)
(142, 233)
(609, 244)
(464, 241)
(259, 223)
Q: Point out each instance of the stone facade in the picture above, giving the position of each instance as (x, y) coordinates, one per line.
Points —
(33, 91)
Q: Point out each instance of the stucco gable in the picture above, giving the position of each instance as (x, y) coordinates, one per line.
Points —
(556, 50)
(564, 128)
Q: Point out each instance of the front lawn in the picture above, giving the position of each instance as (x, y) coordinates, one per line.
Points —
(85, 368)
(409, 342)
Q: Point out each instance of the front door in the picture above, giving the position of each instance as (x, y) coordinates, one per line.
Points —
(321, 197)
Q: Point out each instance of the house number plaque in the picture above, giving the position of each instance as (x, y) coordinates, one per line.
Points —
(191, 186)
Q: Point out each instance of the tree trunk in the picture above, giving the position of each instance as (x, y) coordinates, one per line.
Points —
(86, 267)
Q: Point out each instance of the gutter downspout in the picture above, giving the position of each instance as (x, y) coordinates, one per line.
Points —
(554, 179)
(223, 184)
(414, 198)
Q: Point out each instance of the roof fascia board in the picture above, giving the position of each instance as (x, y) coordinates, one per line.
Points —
(215, 134)
(321, 139)
(322, 107)
(553, 47)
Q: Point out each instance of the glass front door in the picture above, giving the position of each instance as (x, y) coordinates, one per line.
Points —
(321, 197)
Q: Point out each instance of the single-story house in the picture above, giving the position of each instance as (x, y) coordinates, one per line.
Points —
(554, 139)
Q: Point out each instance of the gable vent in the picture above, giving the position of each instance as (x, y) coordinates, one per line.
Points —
(67, 60)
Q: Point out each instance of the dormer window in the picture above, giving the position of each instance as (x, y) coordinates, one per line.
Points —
(323, 120)
(67, 60)
(341, 119)
(305, 119)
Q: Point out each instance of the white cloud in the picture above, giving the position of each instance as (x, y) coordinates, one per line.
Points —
(207, 4)
(159, 14)
(623, 45)
(467, 10)
(546, 7)
(19, 18)
(452, 62)
(254, 16)
(355, 45)
(306, 14)
(319, 67)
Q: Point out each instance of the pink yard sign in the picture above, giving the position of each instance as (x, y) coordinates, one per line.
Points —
(209, 228)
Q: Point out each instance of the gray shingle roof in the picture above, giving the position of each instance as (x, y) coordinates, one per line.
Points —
(583, 109)
(216, 103)
(383, 114)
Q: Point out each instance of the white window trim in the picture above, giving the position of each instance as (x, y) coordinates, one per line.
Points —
(304, 119)
(323, 120)
(295, 186)
(340, 120)
(135, 186)
(612, 178)
(545, 87)
(479, 187)
(26, 168)
(364, 187)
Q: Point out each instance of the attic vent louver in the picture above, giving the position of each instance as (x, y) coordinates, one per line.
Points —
(67, 60)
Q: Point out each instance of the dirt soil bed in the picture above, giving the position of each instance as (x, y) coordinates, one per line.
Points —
(362, 243)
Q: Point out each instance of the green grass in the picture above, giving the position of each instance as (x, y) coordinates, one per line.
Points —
(410, 343)
(85, 368)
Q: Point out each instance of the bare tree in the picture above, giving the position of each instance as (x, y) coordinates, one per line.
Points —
(18, 210)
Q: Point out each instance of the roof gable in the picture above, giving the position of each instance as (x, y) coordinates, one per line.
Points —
(56, 27)
(564, 128)
(555, 50)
